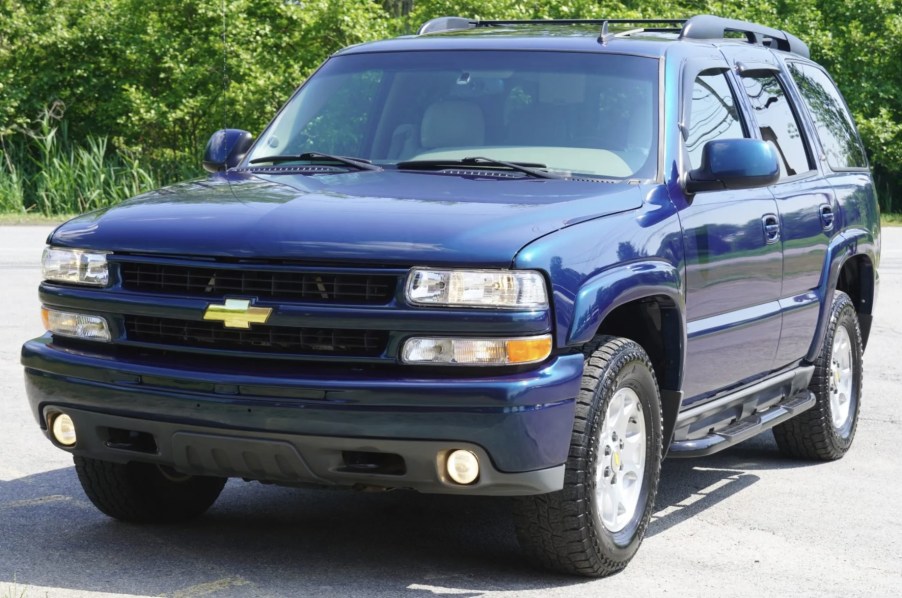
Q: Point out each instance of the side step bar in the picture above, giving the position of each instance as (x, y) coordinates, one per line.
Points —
(744, 428)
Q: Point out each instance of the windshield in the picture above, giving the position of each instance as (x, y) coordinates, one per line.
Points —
(570, 113)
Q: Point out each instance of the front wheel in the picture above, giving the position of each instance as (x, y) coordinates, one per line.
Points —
(594, 525)
(146, 493)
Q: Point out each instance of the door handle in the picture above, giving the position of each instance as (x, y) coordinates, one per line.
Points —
(771, 228)
(827, 216)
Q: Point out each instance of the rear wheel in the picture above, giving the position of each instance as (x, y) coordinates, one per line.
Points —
(825, 432)
(594, 525)
(146, 493)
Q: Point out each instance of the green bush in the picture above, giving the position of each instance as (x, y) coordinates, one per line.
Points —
(154, 79)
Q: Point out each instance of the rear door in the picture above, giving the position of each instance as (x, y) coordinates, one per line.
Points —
(805, 201)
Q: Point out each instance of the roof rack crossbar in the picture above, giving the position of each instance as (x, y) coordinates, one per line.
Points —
(443, 24)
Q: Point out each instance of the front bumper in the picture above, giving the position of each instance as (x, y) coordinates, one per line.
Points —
(300, 426)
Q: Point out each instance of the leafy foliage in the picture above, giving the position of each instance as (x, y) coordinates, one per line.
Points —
(156, 78)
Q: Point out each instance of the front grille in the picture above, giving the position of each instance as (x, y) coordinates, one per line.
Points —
(276, 285)
(263, 339)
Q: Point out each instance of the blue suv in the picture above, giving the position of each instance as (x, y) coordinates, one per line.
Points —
(505, 258)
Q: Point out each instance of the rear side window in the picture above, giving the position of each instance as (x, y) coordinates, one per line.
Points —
(777, 122)
(834, 124)
(712, 114)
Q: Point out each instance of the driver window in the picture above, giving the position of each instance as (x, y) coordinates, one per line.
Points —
(712, 114)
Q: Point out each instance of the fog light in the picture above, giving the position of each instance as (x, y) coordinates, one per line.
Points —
(462, 466)
(63, 429)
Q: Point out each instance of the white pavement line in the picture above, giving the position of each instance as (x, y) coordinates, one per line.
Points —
(447, 591)
(204, 589)
(34, 502)
(15, 590)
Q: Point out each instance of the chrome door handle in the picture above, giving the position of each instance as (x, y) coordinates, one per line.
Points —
(771, 228)
(827, 216)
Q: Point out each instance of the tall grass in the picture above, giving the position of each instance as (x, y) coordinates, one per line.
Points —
(42, 171)
(12, 187)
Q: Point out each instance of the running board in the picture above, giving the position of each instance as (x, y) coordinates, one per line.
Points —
(743, 429)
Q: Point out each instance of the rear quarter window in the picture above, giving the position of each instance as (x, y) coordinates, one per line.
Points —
(831, 117)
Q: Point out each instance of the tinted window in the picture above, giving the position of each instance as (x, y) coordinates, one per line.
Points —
(778, 123)
(831, 117)
(712, 114)
(580, 113)
(339, 126)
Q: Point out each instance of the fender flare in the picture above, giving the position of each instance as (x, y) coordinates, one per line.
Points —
(603, 293)
(843, 247)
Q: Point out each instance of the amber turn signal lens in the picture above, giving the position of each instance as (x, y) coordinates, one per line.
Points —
(528, 350)
(477, 351)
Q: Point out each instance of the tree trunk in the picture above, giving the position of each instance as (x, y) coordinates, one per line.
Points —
(397, 8)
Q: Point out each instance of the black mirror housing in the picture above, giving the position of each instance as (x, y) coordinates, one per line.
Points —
(226, 149)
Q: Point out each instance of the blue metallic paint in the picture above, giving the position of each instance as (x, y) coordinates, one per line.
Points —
(358, 218)
(746, 308)
(226, 149)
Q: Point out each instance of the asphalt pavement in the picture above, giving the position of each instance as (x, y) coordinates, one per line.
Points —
(745, 522)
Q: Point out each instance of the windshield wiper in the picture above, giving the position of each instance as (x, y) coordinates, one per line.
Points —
(356, 163)
(528, 168)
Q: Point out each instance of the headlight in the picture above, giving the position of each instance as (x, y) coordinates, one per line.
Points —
(477, 288)
(476, 351)
(76, 266)
(75, 325)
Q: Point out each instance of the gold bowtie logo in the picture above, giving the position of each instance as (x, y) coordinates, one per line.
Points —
(237, 313)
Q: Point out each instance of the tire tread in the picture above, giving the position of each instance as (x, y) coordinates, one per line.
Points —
(811, 435)
(554, 529)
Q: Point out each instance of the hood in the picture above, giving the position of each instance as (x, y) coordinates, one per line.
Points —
(389, 217)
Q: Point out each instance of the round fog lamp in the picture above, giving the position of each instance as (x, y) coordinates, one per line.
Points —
(462, 466)
(63, 429)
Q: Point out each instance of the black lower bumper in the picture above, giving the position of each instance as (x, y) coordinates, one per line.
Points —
(293, 459)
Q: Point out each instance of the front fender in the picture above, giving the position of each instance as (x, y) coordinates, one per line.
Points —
(605, 292)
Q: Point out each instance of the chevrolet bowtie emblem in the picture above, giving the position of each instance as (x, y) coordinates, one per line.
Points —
(237, 313)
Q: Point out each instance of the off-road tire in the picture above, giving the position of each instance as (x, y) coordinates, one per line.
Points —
(812, 434)
(146, 493)
(563, 530)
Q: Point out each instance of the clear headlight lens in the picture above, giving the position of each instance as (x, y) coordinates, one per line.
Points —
(83, 326)
(477, 288)
(76, 266)
(476, 351)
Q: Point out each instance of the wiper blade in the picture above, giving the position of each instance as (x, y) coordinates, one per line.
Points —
(529, 168)
(356, 163)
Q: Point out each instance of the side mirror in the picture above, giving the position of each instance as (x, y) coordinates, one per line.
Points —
(226, 148)
(734, 164)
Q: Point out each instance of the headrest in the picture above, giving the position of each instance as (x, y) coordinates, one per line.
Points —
(452, 123)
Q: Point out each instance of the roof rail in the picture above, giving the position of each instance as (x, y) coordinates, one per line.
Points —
(711, 27)
(440, 24)
(698, 27)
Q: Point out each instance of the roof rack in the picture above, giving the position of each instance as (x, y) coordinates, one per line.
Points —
(711, 27)
(698, 27)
